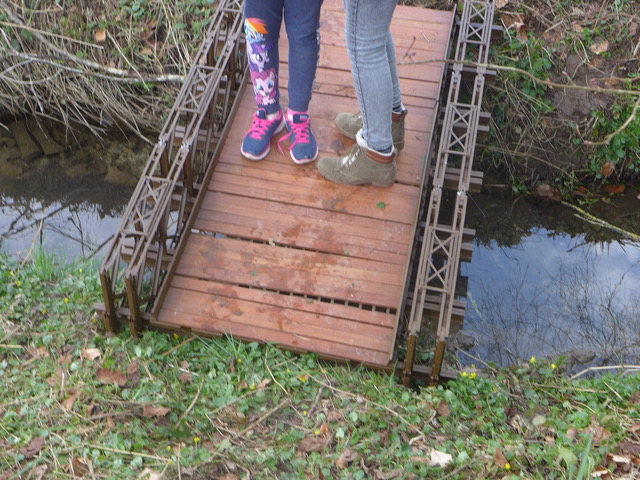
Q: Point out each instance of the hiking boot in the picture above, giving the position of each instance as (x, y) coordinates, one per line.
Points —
(349, 124)
(304, 148)
(361, 166)
(257, 141)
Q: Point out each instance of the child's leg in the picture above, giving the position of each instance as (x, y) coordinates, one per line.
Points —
(302, 19)
(263, 19)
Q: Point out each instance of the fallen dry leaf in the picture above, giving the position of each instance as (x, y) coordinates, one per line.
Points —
(599, 433)
(601, 472)
(501, 3)
(109, 377)
(90, 353)
(149, 411)
(443, 409)
(614, 188)
(607, 169)
(133, 368)
(148, 474)
(100, 35)
(347, 457)
(185, 378)
(499, 458)
(440, 459)
(313, 443)
(599, 47)
(324, 430)
(70, 400)
(632, 448)
(79, 467)
(38, 352)
(33, 448)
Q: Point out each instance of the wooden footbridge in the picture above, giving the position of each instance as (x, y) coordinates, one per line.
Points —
(269, 251)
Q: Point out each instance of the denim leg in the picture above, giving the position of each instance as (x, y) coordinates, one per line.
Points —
(372, 54)
(263, 19)
(302, 19)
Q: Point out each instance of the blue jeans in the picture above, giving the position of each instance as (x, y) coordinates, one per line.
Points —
(263, 19)
(373, 64)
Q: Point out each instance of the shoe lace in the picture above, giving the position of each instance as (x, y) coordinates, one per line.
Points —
(350, 157)
(260, 127)
(301, 131)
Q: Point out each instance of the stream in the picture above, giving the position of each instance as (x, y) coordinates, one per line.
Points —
(541, 282)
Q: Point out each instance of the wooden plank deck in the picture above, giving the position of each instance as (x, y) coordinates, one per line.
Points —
(278, 254)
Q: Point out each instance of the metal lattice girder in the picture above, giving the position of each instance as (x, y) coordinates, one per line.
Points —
(439, 260)
(160, 209)
(475, 33)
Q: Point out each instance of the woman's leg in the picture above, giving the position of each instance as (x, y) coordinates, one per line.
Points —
(372, 54)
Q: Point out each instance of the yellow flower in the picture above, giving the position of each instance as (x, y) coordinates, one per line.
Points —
(532, 360)
(66, 300)
(196, 440)
(553, 366)
(169, 447)
(473, 375)
(317, 432)
(239, 360)
(507, 466)
(176, 336)
(464, 374)
(304, 378)
(19, 283)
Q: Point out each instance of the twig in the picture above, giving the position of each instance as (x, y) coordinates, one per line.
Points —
(271, 373)
(31, 29)
(597, 221)
(608, 138)
(135, 454)
(265, 416)
(632, 368)
(193, 402)
(371, 402)
(171, 350)
(489, 66)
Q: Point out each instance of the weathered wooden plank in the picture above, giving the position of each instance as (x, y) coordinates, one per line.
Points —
(290, 270)
(302, 227)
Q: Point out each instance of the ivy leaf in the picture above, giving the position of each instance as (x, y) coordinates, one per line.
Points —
(382, 205)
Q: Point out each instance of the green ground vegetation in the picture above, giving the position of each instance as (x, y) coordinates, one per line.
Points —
(78, 402)
(566, 100)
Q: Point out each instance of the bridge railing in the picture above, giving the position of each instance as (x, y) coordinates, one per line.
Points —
(442, 240)
(181, 162)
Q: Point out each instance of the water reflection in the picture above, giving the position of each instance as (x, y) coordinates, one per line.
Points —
(542, 290)
(68, 217)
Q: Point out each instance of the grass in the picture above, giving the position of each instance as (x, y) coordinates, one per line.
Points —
(77, 401)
